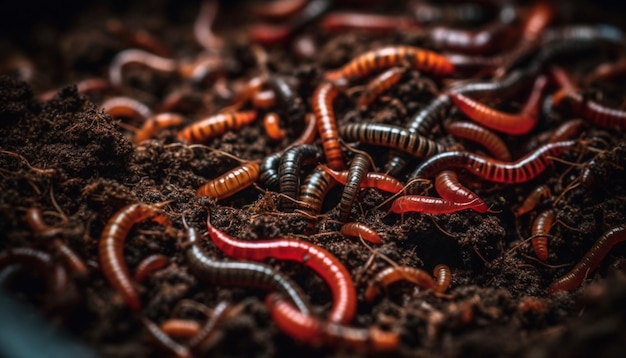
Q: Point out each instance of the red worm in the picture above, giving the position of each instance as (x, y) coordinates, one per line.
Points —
(310, 330)
(126, 107)
(541, 228)
(165, 342)
(155, 123)
(448, 187)
(372, 24)
(531, 201)
(149, 265)
(567, 130)
(136, 56)
(590, 261)
(313, 256)
(313, 192)
(215, 126)
(111, 248)
(271, 123)
(391, 56)
(184, 328)
(379, 85)
(430, 205)
(379, 181)
(357, 229)
(394, 274)
(520, 171)
(277, 9)
(479, 134)
(592, 111)
(310, 130)
(231, 182)
(322, 104)
(515, 124)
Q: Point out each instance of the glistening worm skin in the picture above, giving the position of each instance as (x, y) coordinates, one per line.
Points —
(289, 172)
(379, 181)
(313, 192)
(448, 187)
(590, 261)
(519, 171)
(240, 273)
(358, 168)
(360, 230)
(313, 256)
(312, 331)
(593, 112)
(111, 248)
(430, 205)
(322, 104)
(416, 276)
(476, 133)
(541, 228)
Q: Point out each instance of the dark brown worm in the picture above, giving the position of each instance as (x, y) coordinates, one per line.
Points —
(322, 104)
(140, 57)
(448, 187)
(240, 273)
(126, 107)
(313, 192)
(310, 330)
(541, 228)
(443, 277)
(215, 126)
(149, 265)
(520, 171)
(592, 111)
(567, 130)
(486, 138)
(231, 182)
(590, 261)
(414, 275)
(111, 248)
(155, 123)
(379, 85)
(360, 230)
(165, 342)
(372, 24)
(371, 180)
(268, 171)
(390, 56)
(358, 168)
(391, 137)
(532, 200)
(289, 171)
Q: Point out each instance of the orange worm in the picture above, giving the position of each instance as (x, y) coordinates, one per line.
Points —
(360, 230)
(231, 182)
(215, 126)
(541, 228)
(155, 123)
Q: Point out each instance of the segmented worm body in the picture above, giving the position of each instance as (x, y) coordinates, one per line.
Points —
(240, 273)
(486, 138)
(149, 265)
(313, 256)
(443, 277)
(430, 205)
(111, 248)
(314, 190)
(390, 56)
(358, 168)
(532, 200)
(414, 275)
(519, 171)
(215, 126)
(311, 330)
(484, 41)
(379, 181)
(126, 107)
(310, 130)
(289, 171)
(391, 137)
(155, 123)
(592, 111)
(322, 104)
(449, 188)
(231, 182)
(541, 228)
(567, 130)
(360, 230)
(379, 85)
(269, 171)
(590, 261)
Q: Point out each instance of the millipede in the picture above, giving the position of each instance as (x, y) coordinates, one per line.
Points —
(359, 166)
(449, 188)
(289, 171)
(379, 181)
(360, 230)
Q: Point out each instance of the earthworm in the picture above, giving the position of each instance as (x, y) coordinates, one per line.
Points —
(126, 107)
(371, 24)
(394, 274)
(427, 13)
(215, 126)
(359, 166)
(180, 327)
(268, 171)
(240, 273)
(427, 118)
(263, 99)
(286, 95)
(479, 134)
(202, 27)
(322, 104)
(592, 111)
(271, 123)
(149, 265)
(379, 85)
(539, 17)
(522, 170)
(485, 40)
(198, 342)
(379, 181)
(313, 256)
(391, 137)
(289, 171)
(540, 230)
(390, 56)
(533, 103)
(532, 200)
(443, 278)
(312, 331)
(449, 188)
(314, 190)
(310, 130)
(155, 123)
(567, 130)
(360, 230)
(164, 341)
(111, 248)
(277, 9)
(474, 64)
(563, 79)
(430, 205)
(32, 259)
(231, 182)
(136, 56)
(590, 261)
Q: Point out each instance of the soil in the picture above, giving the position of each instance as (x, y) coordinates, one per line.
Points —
(79, 165)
